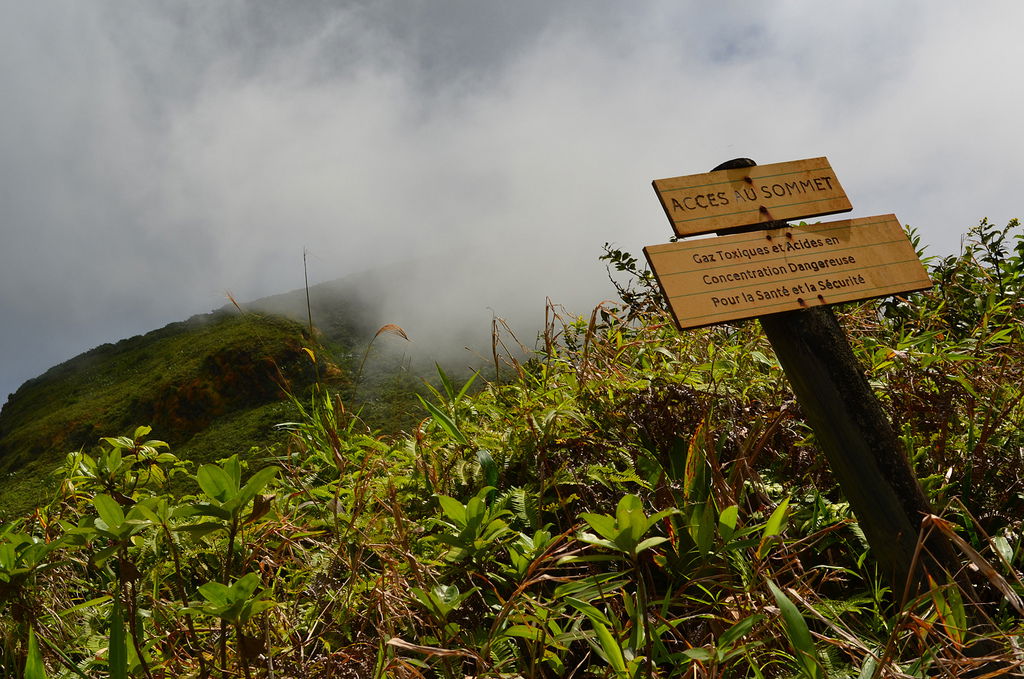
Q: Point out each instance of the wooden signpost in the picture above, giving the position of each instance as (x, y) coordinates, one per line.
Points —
(786, 276)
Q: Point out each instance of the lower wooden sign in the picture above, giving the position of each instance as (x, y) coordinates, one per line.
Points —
(714, 280)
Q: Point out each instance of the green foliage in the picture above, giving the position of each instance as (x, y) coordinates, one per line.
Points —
(21, 555)
(629, 502)
(236, 603)
(950, 363)
(625, 531)
(121, 466)
(226, 497)
(473, 529)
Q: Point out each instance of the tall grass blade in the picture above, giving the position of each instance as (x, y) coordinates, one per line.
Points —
(34, 668)
(117, 651)
(695, 473)
(799, 635)
(446, 422)
(610, 647)
(776, 522)
(980, 562)
(488, 466)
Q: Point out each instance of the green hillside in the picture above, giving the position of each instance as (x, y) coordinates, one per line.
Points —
(221, 370)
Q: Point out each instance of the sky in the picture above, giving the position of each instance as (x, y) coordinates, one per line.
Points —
(156, 156)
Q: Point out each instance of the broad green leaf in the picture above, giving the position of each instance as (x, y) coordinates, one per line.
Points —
(136, 516)
(495, 529)
(776, 520)
(592, 539)
(423, 596)
(8, 556)
(476, 511)
(206, 509)
(229, 611)
(453, 509)
(255, 484)
(626, 511)
(233, 468)
(727, 521)
(109, 511)
(705, 526)
(255, 606)
(648, 543)
(525, 632)
(655, 518)
(215, 592)
(100, 557)
(245, 586)
(186, 511)
(215, 482)
(603, 524)
(447, 593)
(113, 458)
(699, 654)
(764, 360)
(443, 599)
(147, 513)
(1002, 547)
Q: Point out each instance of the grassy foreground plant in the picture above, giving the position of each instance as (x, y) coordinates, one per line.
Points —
(629, 502)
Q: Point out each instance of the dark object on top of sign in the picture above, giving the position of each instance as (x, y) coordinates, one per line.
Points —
(735, 164)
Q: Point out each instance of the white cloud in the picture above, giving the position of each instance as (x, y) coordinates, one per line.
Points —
(157, 155)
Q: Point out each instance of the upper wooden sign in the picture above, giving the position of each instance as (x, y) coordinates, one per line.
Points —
(702, 203)
(714, 280)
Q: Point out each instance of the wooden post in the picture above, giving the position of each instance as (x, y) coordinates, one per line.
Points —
(853, 432)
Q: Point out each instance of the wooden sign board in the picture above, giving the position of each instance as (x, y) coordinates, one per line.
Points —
(714, 280)
(702, 203)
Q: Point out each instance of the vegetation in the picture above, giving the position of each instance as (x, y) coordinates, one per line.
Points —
(213, 385)
(630, 502)
(223, 369)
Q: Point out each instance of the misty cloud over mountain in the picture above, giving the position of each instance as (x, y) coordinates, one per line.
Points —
(154, 156)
